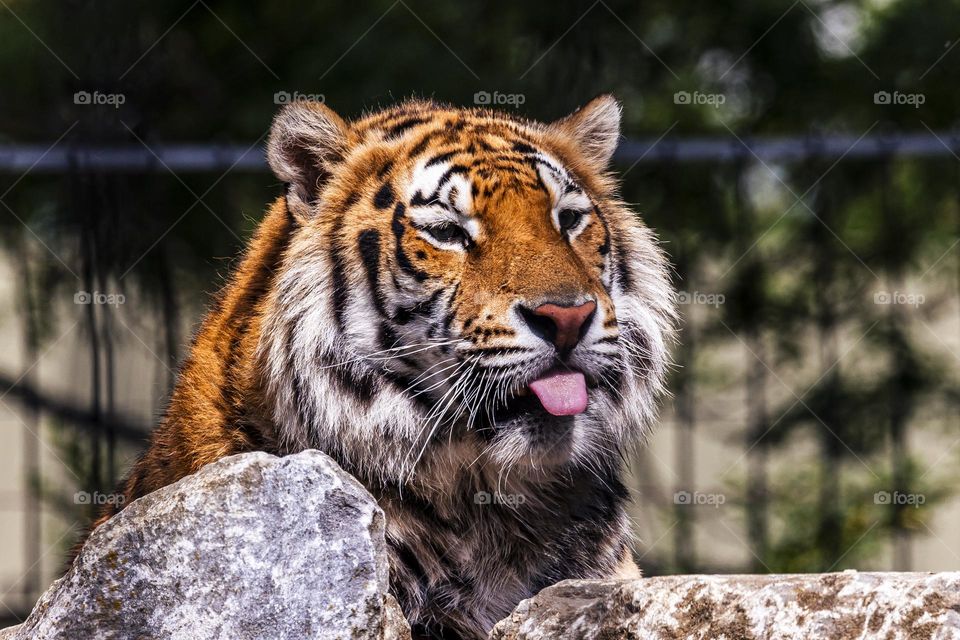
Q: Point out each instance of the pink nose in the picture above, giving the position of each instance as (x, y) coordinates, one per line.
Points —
(564, 326)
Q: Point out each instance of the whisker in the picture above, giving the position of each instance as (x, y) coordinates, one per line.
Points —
(420, 347)
(439, 410)
(434, 385)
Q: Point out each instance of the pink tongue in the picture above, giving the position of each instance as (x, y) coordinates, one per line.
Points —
(562, 393)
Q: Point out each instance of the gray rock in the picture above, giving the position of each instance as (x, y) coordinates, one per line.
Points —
(252, 546)
(10, 632)
(790, 607)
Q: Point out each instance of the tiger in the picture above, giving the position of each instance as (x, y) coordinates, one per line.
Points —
(457, 307)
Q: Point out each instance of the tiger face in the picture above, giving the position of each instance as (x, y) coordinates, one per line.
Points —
(461, 285)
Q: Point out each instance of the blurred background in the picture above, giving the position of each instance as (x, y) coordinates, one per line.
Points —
(798, 159)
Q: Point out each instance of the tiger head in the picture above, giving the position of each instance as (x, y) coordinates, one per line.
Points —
(461, 285)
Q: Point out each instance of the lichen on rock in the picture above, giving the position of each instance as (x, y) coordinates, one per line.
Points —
(838, 606)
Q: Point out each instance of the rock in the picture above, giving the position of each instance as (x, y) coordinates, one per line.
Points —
(256, 546)
(789, 607)
(10, 632)
(252, 546)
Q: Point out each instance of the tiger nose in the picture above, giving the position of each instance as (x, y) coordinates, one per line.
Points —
(563, 326)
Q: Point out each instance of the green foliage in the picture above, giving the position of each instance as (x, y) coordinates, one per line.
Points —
(868, 516)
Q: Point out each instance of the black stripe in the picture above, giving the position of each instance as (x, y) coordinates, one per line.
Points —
(397, 130)
(451, 313)
(422, 509)
(452, 199)
(605, 247)
(449, 173)
(338, 277)
(352, 198)
(538, 180)
(443, 157)
(387, 338)
(557, 173)
(423, 308)
(369, 246)
(523, 147)
(408, 559)
(405, 385)
(419, 201)
(402, 260)
(304, 408)
(423, 144)
(384, 197)
(483, 144)
(498, 351)
(623, 270)
(359, 386)
(357, 382)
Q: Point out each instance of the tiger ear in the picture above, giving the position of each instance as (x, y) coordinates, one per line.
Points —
(594, 129)
(306, 140)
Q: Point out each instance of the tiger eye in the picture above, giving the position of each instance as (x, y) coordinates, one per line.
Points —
(568, 219)
(448, 232)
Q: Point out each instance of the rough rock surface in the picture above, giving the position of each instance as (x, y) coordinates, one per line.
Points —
(791, 607)
(252, 546)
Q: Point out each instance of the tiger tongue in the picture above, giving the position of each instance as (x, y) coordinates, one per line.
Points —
(562, 393)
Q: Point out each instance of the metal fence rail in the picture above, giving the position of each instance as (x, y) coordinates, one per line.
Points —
(212, 157)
